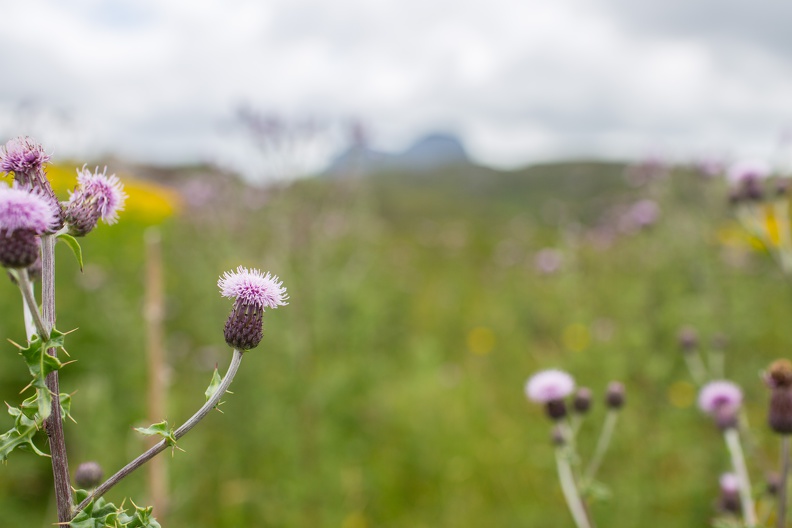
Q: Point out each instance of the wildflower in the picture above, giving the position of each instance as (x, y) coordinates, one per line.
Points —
(721, 400)
(644, 213)
(252, 291)
(23, 216)
(88, 475)
(548, 261)
(729, 493)
(614, 396)
(97, 196)
(550, 387)
(24, 157)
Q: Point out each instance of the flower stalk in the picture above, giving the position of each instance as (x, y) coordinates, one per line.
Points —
(782, 488)
(732, 438)
(54, 424)
(162, 445)
(569, 488)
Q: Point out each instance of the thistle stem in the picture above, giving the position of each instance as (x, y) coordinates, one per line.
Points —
(180, 432)
(602, 445)
(31, 308)
(782, 488)
(696, 367)
(738, 462)
(570, 490)
(54, 424)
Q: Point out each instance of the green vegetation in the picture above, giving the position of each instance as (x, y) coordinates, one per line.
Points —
(390, 392)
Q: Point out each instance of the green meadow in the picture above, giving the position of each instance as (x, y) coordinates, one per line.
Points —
(389, 393)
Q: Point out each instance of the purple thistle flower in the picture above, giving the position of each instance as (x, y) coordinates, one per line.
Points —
(22, 156)
(719, 395)
(549, 385)
(252, 291)
(23, 216)
(97, 196)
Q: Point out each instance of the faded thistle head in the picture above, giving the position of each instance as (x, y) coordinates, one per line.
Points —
(252, 291)
(779, 379)
(97, 196)
(24, 215)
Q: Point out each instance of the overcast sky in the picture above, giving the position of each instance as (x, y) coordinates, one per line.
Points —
(518, 80)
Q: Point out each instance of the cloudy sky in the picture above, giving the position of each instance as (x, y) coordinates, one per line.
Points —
(518, 80)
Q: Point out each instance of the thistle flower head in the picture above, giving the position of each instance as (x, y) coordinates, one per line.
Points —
(252, 291)
(22, 155)
(21, 208)
(716, 396)
(729, 483)
(252, 287)
(549, 385)
(97, 196)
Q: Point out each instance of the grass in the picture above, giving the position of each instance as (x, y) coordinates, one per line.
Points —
(389, 392)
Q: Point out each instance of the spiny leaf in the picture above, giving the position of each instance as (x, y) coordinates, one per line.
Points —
(162, 429)
(103, 514)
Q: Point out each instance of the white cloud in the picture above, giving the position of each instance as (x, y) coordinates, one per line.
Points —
(519, 80)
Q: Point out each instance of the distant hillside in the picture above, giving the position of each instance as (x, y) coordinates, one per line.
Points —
(430, 152)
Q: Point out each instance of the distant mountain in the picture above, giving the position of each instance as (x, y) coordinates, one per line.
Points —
(430, 152)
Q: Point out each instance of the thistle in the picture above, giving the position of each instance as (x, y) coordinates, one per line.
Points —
(550, 387)
(252, 291)
(24, 215)
(26, 159)
(97, 196)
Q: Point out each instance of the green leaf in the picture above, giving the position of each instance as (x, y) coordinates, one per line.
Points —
(162, 429)
(40, 363)
(103, 514)
(74, 246)
(213, 385)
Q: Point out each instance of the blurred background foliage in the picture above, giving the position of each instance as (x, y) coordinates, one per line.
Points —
(389, 393)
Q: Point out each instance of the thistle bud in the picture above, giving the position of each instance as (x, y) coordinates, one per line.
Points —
(582, 402)
(772, 483)
(23, 216)
(614, 396)
(88, 475)
(252, 291)
(97, 196)
(688, 339)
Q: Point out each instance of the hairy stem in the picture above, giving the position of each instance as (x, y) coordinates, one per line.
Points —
(738, 462)
(54, 424)
(31, 307)
(571, 494)
(602, 445)
(782, 488)
(180, 432)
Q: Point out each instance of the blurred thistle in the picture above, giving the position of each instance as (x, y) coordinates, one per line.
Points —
(729, 501)
(88, 475)
(779, 416)
(97, 196)
(614, 396)
(24, 215)
(252, 291)
(550, 387)
(582, 401)
(688, 339)
(722, 399)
